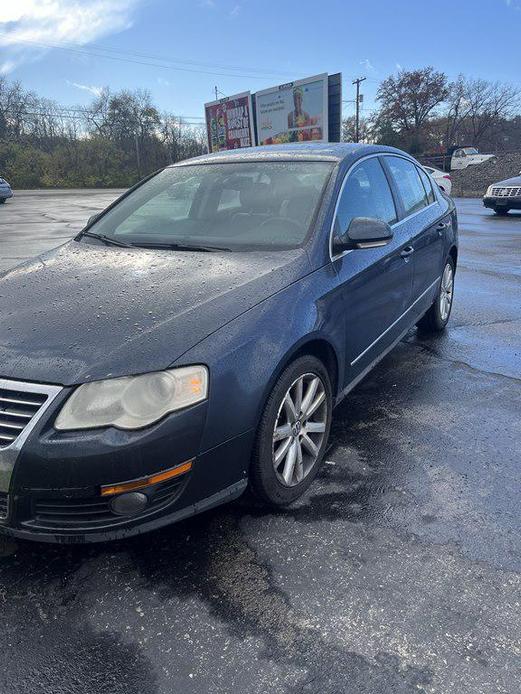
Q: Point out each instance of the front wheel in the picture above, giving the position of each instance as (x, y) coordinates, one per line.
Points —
(438, 315)
(501, 211)
(293, 433)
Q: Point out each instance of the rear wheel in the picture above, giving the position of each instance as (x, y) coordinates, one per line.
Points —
(293, 433)
(438, 315)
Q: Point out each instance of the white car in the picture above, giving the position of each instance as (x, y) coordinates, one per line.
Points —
(443, 179)
(462, 157)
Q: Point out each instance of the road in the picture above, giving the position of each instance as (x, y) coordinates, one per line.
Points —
(398, 572)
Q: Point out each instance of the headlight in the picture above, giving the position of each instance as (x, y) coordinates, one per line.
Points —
(488, 194)
(133, 402)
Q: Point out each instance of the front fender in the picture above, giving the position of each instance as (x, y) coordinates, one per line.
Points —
(245, 356)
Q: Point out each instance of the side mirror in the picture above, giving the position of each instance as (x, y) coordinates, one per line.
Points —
(363, 232)
(92, 219)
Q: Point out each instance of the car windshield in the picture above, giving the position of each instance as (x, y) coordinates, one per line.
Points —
(470, 150)
(237, 206)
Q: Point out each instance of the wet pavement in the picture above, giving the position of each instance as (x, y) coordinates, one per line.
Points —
(398, 572)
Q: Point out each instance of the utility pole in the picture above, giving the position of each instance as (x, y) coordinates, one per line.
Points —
(216, 93)
(138, 155)
(357, 121)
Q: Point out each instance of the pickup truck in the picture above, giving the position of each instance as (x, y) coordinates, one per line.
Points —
(463, 157)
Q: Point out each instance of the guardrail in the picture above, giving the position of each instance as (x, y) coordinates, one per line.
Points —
(438, 161)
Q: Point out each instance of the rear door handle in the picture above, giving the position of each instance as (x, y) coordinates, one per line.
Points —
(407, 251)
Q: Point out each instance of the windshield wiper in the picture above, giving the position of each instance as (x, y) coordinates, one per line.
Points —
(106, 239)
(181, 247)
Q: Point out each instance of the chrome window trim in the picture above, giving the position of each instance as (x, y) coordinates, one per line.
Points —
(333, 257)
(396, 321)
(9, 454)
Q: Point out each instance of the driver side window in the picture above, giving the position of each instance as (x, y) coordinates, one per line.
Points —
(366, 193)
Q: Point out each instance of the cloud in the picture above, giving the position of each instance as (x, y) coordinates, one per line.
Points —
(26, 23)
(235, 11)
(91, 88)
(366, 63)
(7, 66)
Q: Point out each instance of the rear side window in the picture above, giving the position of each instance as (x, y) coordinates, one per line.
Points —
(427, 184)
(409, 185)
(366, 193)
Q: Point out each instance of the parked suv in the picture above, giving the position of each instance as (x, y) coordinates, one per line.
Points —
(504, 195)
(196, 336)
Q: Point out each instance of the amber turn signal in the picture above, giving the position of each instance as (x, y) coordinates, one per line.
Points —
(111, 489)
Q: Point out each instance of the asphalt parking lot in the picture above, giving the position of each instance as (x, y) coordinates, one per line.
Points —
(399, 571)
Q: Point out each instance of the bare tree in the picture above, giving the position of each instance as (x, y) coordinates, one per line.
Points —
(487, 104)
(17, 106)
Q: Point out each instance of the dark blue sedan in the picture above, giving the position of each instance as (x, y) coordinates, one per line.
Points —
(194, 339)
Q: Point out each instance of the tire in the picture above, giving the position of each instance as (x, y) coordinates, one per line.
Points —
(280, 484)
(437, 317)
(2, 200)
(501, 211)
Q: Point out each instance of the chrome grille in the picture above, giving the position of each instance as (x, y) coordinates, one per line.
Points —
(17, 409)
(506, 192)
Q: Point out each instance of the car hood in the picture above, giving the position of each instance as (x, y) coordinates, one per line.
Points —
(84, 312)
(514, 181)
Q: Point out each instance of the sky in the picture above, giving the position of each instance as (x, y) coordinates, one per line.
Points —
(180, 50)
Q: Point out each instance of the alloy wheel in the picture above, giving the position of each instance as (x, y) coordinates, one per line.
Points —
(446, 291)
(299, 429)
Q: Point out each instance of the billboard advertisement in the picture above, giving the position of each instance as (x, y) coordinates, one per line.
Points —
(229, 123)
(293, 112)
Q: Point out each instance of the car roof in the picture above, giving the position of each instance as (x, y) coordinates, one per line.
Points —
(316, 151)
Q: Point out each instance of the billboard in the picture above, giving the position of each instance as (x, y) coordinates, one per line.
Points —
(293, 112)
(229, 123)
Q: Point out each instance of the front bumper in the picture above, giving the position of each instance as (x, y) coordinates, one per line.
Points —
(511, 203)
(54, 490)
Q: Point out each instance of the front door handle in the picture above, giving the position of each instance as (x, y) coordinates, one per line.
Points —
(407, 251)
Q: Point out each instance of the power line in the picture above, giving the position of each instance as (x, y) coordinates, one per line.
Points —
(192, 62)
(84, 51)
(78, 114)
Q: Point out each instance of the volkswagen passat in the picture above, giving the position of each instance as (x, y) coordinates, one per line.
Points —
(195, 337)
